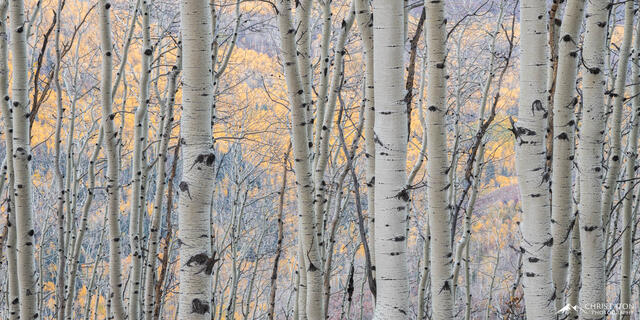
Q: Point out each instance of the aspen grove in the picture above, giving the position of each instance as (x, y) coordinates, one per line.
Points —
(319, 159)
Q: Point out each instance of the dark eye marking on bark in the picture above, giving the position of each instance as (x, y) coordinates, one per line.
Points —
(184, 187)
(563, 136)
(208, 159)
(403, 195)
(445, 287)
(537, 106)
(199, 307)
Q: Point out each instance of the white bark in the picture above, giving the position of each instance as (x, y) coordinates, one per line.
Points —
(590, 160)
(304, 184)
(62, 259)
(320, 200)
(437, 164)
(154, 229)
(565, 100)
(25, 233)
(75, 253)
(632, 156)
(137, 184)
(365, 24)
(110, 139)
(611, 182)
(530, 162)
(5, 108)
(196, 260)
(391, 197)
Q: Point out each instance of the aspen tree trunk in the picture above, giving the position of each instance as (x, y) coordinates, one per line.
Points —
(274, 273)
(478, 159)
(590, 160)
(304, 184)
(154, 229)
(574, 267)
(75, 254)
(365, 24)
(25, 233)
(565, 100)
(615, 162)
(530, 162)
(62, 259)
(168, 243)
(437, 165)
(196, 261)
(632, 156)
(71, 172)
(324, 78)
(94, 274)
(301, 298)
(391, 197)
(320, 200)
(424, 274)
(139, 141)
(5, 108)
(303, 41)
(111, 152)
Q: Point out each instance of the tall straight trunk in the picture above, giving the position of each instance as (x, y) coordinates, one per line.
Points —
(615, 139)
(365, 24)
(320, 201)
(5, 108)
(111, 153)
(75, 253)
(618, 101)
(274, 273)
(589, 164)
(565, 100)
(324, 78)
(304, 184)
(530, 162)
(138, 166)
(303, 10)
(25, 233)
(196, 187)
(62, 259)
(154, 229)
(632, 156)
(437, 165)
(390, 128)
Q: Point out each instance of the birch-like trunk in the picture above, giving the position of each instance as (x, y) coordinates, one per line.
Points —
(303, 10)
(137, 183)
(365, 24)
(391, 197)
(614, 164)
(154, 229)
(437, 164)
(111, 153)
(631, 169)
(530, 162)
(320, 200)
(565, 100)
(304, 183)
(196, 187)
(62, 259)
(590, 160)
(75, 253)
(25, 234)
(5, 108)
